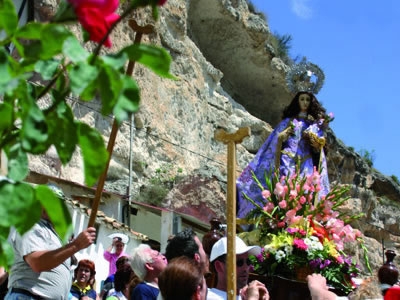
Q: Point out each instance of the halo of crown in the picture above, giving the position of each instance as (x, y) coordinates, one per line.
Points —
(305, 77)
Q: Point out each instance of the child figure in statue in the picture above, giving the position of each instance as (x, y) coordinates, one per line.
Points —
(297, 140)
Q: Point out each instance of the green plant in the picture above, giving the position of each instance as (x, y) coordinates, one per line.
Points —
(282, 45)
(368, 156)
(395, 179)
(53, 53)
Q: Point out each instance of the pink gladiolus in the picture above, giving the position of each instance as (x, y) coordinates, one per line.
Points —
(269, 207)
(280, 190)
(302, 200)
(282, 204)
(266, 194)
(292, 194)
(96, 17)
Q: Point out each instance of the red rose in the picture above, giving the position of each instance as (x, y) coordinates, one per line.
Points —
(96, 17)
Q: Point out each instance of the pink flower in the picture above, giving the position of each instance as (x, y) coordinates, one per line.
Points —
(292, 230)
(281, 224)
(292, 194)
(280, 190)
(340, 259)
(266, 194)
(302, 200)
(282, 204)
(96, 17)
(300, 244)
(269, 207)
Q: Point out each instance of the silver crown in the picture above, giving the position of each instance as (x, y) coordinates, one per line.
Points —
(305, 77)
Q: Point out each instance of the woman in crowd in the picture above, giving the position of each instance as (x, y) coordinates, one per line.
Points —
(182, 279)
(123, 280)
(297, 140)
(83, 285)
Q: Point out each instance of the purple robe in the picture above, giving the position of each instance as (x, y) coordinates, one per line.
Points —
(296, 149)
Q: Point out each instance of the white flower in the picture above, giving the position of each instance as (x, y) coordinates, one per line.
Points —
(279, 255)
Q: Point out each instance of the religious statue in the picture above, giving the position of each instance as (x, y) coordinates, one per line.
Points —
(296, 142)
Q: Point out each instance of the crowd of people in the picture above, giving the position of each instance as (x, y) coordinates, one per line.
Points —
(42, 268)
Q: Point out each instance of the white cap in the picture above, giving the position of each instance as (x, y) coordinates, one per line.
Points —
(120, 236)
(220, 248)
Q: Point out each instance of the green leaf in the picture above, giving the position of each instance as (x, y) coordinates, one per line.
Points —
(128, 100)
(18, 205)
(62, 131)
(110, 86)
(81, 76)
(116, 61)
(6, 251)
(8, 16)
(95, 155)
(45, 40)
(6, 116)
(30, 31)
(73, 50)
(5, 75)
(155, 58)
(47, 68)
(17, 163)
(34, 131)
(56, 209)
(52, 40)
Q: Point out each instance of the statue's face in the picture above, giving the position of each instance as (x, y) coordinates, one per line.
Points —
(304, 102)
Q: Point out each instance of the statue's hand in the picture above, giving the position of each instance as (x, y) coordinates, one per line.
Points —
(284, 135)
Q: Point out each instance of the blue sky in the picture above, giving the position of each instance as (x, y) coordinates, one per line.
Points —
(357, 45)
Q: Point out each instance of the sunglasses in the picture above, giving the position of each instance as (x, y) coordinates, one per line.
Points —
(240, 262)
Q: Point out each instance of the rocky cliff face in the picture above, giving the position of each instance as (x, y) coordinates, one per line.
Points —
(228, 77)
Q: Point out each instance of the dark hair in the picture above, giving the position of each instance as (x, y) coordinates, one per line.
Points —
(180, 279)
(122, 277)
(182, 244)
(315, 109)
(121, 261)
(86, 263)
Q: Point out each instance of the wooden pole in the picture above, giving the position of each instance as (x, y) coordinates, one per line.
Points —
(140, 30)
(231, 140)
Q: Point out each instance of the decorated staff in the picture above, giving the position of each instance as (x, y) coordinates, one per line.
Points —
(140, 30)
(231, 140)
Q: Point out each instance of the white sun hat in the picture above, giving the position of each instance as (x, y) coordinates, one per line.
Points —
(120, 236)
(220, 248)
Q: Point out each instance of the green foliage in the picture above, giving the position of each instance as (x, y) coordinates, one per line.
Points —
(52, 53)
(368, 156)
(160, 184)
(395, 179)
(282, 46)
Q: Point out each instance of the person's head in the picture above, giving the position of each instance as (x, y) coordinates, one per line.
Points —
(118, 245)
(368, 289)
(186, 243)
(121, 261)
(314, 108)
(123, 277)
(183, 279)
(147, 263)
(85, 272)
(218, 259)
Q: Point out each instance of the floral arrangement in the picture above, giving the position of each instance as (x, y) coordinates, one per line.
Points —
(299, 229)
